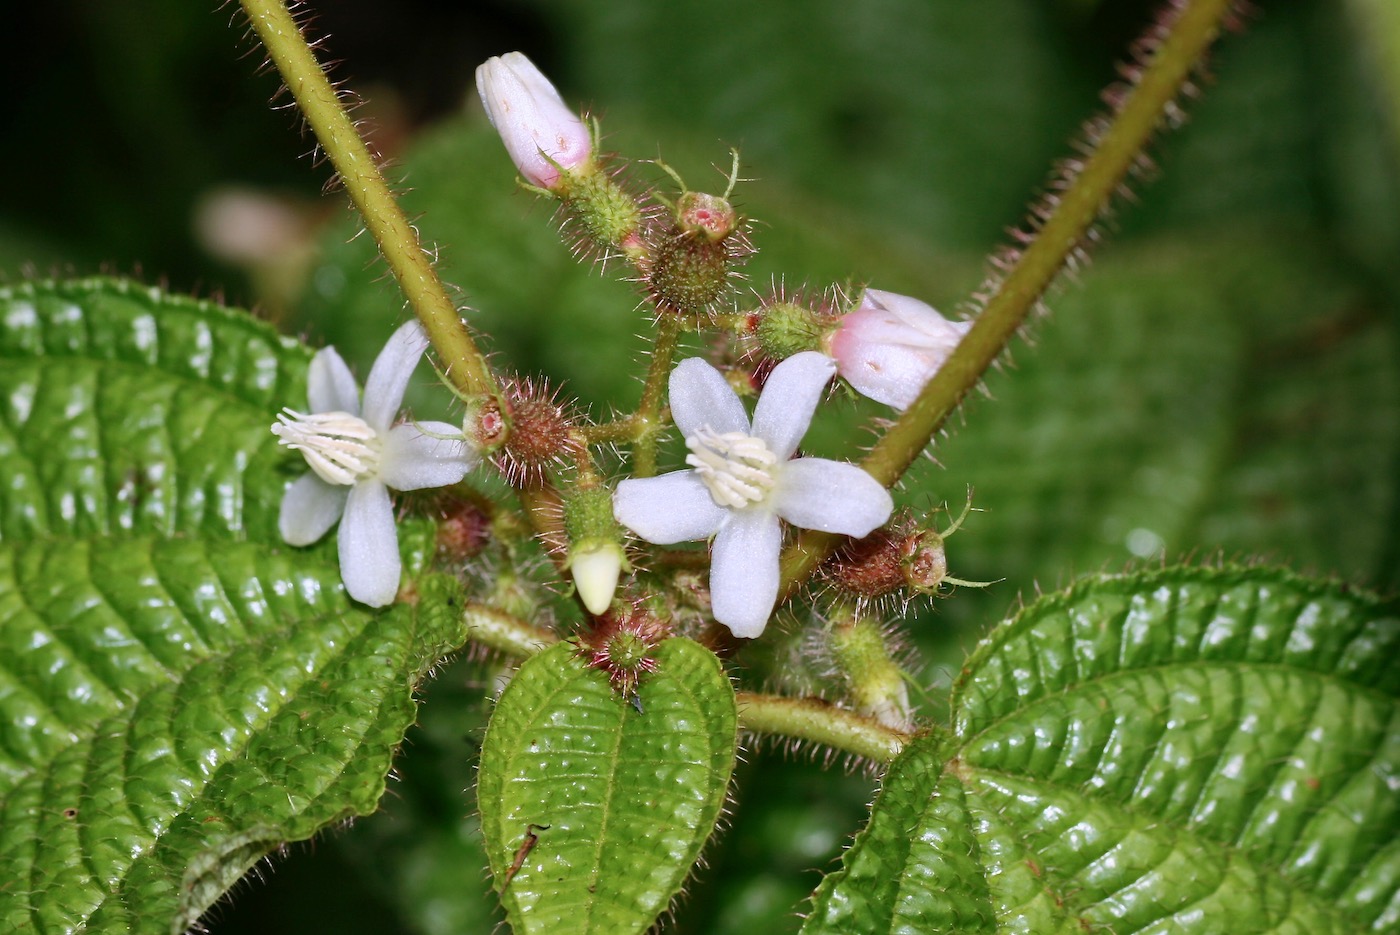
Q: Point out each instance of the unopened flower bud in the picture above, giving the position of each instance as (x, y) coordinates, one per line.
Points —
(890, 345)
(544, 138)
(596, 557)
(623, 644)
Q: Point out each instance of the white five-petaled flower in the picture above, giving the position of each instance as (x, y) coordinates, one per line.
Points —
(745, 479)
(540, 132)
(890, 345)
(356, 454)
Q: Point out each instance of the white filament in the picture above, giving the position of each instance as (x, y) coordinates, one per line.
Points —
(735, 467)
(339, 447)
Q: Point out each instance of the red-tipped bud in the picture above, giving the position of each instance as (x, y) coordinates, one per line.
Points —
(710, 216)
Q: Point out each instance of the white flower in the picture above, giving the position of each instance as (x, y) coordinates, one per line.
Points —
(743, 482)
(540, 132)
(891, 345)
(356, 455)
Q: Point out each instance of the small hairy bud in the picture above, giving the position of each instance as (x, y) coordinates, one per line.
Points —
(540, 432)
(694, 259)
(788, 327)
(862, 652)
(904, 557)
(621, 644)
(463, 529)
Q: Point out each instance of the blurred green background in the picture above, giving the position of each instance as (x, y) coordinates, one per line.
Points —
(1221, 382)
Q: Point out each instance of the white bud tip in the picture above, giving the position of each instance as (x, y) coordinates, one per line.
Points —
(596, 571)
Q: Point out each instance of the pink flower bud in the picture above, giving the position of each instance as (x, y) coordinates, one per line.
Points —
(891, 345)
(541, 133)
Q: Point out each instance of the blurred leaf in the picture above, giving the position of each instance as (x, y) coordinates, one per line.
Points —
(183, 693)
(1187, 750)
(594, 807)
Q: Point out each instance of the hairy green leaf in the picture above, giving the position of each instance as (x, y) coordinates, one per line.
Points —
(594, 807)
(1187, 751)
(180, 692)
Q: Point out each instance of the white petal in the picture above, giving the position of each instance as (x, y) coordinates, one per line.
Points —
(330, 386)
(744, 571)
(675, 507)
(369, 545)
(309, 508)
(831, 496)
(700, 397)
(411, 460)
(789, 398)
(388, 378)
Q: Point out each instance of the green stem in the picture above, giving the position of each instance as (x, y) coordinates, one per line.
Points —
(822, 722)
(397, 239)
(504, 632)
(1183, 45)
(648, 417)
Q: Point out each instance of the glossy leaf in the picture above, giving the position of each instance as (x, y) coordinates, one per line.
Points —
(1183, 751)
(180, 693)
(620, 795)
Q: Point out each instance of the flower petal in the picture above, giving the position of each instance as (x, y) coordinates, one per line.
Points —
(388, 378)
(369, 545)
(411, 460)
(309, 508)
(744, 571)
(675, 507)
(831, 496)
(700, 396)
(330, 386)
(789, 398)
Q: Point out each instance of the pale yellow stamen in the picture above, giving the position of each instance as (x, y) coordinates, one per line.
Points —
(340, 448)
(736, 467)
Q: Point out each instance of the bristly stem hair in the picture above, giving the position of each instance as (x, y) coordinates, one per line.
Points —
(1167, 56)
(397, 239)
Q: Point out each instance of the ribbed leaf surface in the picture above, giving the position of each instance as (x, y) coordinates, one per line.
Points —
(180, 693)
(1182, 751)
(619, 795)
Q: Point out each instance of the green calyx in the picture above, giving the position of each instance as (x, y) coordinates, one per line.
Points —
(787, 328)
(606, 213)
(588, 517)
(874, 681)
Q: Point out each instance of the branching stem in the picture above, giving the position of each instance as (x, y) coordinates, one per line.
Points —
(819, 721)
(1185, 41)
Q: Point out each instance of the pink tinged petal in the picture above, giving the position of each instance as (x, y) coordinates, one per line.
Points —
(675, 507)
(540, 132)
(700, 396)
(309, 509)
(369, 545)
(411, 460)
(831, 496)
(892, 345)
(388, 378)
(330, 386)
(789, 399)
(744, 571)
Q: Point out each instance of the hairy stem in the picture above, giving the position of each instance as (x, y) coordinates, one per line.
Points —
(822, 722)
(385, 220)
(648, 417)
(502, 631)
(1184, 43)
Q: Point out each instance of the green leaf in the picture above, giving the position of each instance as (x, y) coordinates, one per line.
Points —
(620, 795)
(181, 693)
(1188, 750)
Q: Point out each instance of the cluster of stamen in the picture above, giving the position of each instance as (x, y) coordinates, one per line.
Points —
(737, 468)
(339, 447)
